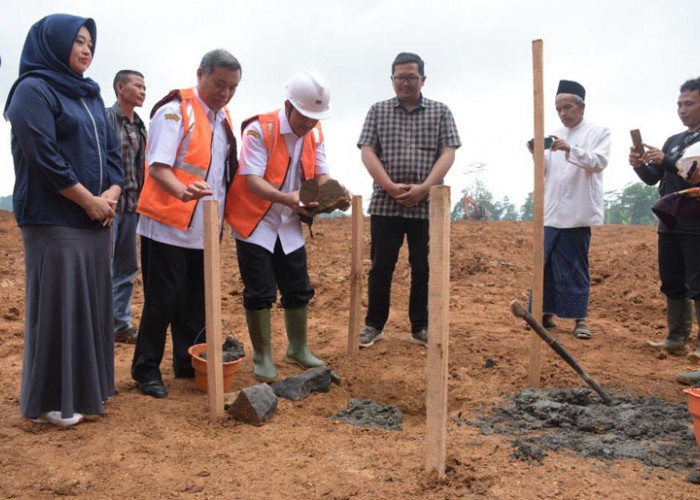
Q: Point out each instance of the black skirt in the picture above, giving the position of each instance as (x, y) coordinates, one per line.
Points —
(68, 337)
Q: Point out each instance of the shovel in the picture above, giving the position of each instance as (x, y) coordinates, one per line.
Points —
(519, 310)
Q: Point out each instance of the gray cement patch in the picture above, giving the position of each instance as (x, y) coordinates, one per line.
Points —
(654, 432)
(367, 413)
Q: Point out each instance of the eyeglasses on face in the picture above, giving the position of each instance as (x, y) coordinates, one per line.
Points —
(412, 79)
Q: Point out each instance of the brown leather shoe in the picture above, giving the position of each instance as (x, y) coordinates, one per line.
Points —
(126, 336)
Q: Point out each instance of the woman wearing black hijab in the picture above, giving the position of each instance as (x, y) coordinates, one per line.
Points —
(68, 178)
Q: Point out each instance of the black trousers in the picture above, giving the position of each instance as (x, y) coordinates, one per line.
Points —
(173, 286)
(263, 272)
(679, 265)
(387, 237)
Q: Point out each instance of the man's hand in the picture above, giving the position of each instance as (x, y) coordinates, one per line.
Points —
(292, 201)
(395, 190)
(413, 195)
(560, 145)
(635, 159)
(195, 191)
(653, 155)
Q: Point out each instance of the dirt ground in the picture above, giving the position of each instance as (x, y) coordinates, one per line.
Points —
(165, 448)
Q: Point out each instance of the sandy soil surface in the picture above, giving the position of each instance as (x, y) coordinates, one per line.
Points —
(150, 448)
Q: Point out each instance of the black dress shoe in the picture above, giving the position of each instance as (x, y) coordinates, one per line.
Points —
(183, 372)
(153, 388)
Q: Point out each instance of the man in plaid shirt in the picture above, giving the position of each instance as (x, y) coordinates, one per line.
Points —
(131, 132)
(408, 145)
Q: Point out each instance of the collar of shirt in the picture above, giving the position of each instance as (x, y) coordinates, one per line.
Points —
(398, 103)
(285, 127)
(214, 117)
(578, 126)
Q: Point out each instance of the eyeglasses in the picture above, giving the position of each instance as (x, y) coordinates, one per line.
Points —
(405, 79)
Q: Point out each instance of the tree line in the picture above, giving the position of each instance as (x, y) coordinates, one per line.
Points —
(630, 205)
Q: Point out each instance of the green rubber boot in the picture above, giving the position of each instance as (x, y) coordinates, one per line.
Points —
(259, 331)
(688, 378)
(679, 317)
(297, 350)
(696, 353)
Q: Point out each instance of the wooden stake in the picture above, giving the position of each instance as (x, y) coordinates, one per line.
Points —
(534, 374)
(212, 298)
(355, 277)
(439, 324)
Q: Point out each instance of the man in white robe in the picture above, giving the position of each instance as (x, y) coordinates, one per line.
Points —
(573, 193)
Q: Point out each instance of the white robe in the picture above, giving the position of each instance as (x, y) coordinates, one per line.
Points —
(573, 185)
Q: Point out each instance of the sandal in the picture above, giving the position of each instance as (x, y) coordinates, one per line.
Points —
(581, 331)
(548, 321)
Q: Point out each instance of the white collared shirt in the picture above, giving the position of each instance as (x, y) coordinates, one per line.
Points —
(279, 221)
(164, 137)
(573, 185)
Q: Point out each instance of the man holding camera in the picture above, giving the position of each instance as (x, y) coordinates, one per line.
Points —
(679, 246)
(573, 202)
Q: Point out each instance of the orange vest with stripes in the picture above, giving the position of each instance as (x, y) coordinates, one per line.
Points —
(192, 163)
(244, 210)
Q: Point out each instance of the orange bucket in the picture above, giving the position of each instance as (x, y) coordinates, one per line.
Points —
(200, 368)
(694, 409)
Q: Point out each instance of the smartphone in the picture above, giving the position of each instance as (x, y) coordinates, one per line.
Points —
(637, 141)
(547, 142)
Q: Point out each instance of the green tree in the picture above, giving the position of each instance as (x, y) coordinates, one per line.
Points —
(498, 210)
(631, 205)
(527, 211)
(509, 212)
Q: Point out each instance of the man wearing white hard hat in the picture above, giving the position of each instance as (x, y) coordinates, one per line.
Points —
(280, 149)
(679, 246)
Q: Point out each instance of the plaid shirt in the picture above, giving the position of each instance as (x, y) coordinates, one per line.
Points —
(132, 147)
(407, 143)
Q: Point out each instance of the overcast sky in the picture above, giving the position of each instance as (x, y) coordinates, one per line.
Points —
(631, 56)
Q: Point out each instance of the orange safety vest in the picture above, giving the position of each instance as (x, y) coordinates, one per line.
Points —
(192, 162)
(244, 210)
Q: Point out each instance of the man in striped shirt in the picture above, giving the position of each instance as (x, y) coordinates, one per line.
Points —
(408, 145)
(130, 88)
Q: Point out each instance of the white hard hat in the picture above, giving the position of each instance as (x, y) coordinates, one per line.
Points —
(689, 164)
(310, 94)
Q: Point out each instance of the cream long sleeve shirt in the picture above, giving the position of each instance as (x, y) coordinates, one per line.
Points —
(573, 185)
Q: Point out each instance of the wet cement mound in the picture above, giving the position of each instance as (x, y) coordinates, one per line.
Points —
(655, 432)
(231, 350)
(367, 413)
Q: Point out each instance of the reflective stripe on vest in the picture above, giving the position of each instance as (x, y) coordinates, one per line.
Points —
(192, 162)
(244, 210)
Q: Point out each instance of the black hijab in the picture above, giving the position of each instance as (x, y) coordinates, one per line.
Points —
(46, 55)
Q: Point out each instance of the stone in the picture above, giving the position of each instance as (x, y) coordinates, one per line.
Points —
(300, 386)
(330, 196)
(254, 405)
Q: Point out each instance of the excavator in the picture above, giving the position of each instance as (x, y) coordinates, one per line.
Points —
(472, 211)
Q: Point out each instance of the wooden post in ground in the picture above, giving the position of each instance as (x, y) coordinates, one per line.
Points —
(212, 298)
(355, 277)
(534, 373)
(439, 324)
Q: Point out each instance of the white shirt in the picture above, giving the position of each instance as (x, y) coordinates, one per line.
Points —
(279, 221)
(164, 137)
(573, 184)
